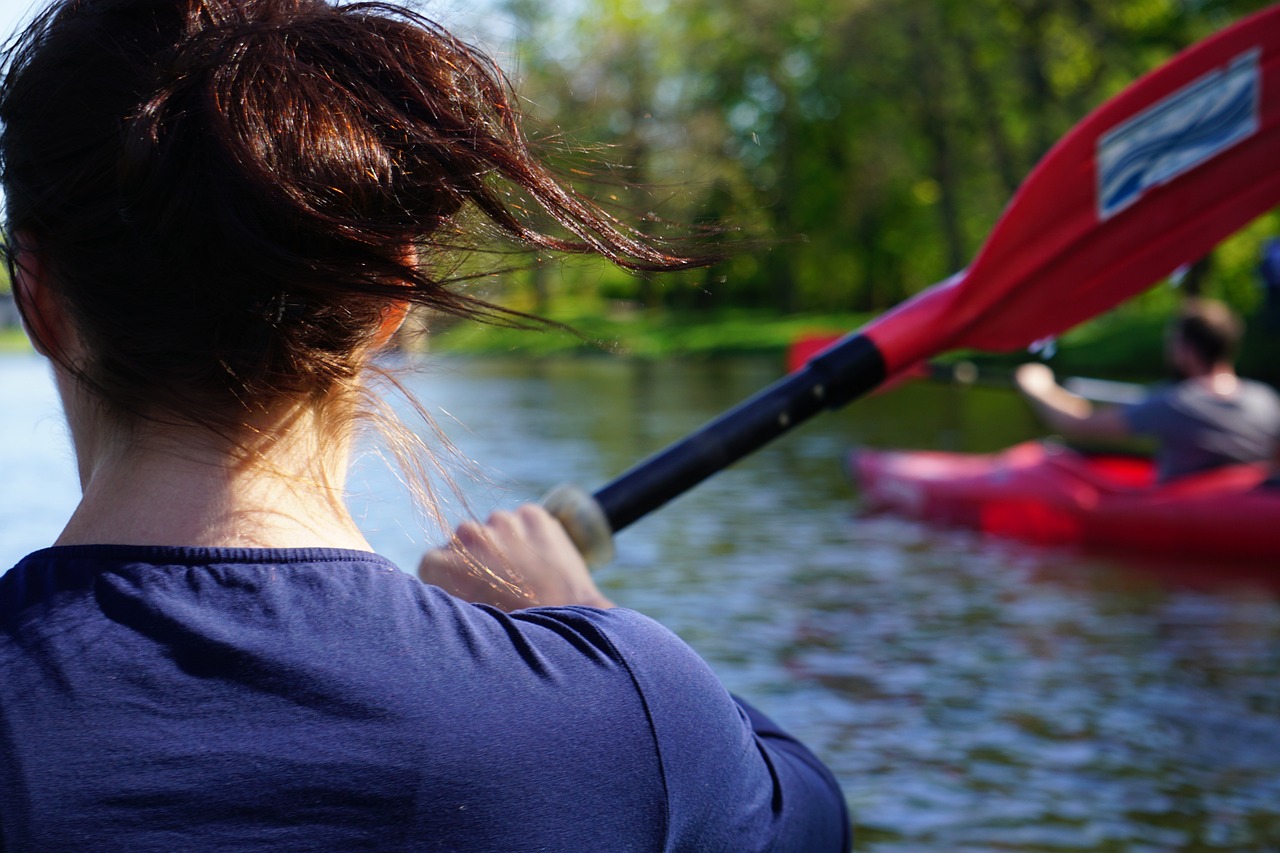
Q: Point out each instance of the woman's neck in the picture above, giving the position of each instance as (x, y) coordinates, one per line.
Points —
(183, 485)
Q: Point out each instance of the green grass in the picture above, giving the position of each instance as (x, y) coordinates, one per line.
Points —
(642, 335)
(1120, 345)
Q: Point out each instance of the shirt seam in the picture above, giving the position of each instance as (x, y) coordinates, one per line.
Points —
(653, 733)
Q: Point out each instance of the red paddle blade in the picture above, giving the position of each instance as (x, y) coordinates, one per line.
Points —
(1151, 180)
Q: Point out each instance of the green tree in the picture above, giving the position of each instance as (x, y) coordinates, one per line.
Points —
(865, 147)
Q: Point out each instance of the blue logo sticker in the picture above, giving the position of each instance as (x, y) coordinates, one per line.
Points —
(1173, 136)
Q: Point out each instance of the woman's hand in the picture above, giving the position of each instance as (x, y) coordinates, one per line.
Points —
(516, 559)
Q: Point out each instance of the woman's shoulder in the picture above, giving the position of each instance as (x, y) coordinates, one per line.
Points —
(349, 599)
(651, 651)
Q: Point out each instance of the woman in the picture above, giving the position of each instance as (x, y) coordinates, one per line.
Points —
(218, 211)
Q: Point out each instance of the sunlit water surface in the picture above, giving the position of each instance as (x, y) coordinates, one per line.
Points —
(970, 695)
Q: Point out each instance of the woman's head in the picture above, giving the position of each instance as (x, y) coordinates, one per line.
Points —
(230, 197)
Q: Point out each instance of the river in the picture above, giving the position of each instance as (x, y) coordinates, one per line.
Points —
(970, 694)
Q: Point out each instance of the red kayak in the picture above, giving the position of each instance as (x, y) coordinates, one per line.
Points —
(1053, 495)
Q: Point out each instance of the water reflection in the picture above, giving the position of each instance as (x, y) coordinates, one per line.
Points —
(1010, 711)
(970, 694)
(38, 486)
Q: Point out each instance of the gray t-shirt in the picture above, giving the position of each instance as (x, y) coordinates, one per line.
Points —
(1198, 429)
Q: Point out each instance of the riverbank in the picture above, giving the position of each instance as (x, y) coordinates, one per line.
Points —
(623, 331)
(1120, 345)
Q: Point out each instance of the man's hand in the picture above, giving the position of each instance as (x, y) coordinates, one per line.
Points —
(1035, 380)
(1065, 412)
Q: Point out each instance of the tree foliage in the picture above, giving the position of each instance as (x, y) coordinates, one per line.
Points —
(864, 148)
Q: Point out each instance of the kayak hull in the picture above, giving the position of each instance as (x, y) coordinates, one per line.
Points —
(1055, 496)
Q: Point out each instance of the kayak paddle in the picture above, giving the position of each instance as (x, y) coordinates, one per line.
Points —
(1095, 390)
(1151, 180)
(968, 373)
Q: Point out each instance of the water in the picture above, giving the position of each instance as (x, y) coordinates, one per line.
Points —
(971, 695)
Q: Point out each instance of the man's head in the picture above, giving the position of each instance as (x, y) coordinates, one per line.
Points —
(1206, 334)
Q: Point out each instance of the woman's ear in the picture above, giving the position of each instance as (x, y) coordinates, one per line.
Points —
(44, 317)
(394, 313)
(393, 317)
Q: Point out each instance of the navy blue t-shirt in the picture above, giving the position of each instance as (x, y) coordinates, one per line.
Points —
(160, 699)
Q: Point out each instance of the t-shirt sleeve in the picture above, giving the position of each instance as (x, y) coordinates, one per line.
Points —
(735, 780)
(815, 815)
(1150, 416)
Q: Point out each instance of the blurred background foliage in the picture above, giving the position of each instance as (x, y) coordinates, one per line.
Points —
(859, 150)
(852, 152)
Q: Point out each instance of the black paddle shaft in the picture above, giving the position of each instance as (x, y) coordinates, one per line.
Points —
(838, 375)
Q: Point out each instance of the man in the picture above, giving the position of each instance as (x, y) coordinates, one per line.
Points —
(1210, 417)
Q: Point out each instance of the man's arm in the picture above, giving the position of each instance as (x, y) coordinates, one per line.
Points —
(1065, 412)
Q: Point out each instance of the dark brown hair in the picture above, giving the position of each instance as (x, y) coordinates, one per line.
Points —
(225, 191)
(1210, 328)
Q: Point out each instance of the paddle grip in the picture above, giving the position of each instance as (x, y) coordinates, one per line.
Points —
(583, 520)
(839, 374)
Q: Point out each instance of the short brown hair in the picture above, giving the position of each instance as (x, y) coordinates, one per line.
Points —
(1210, 328)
